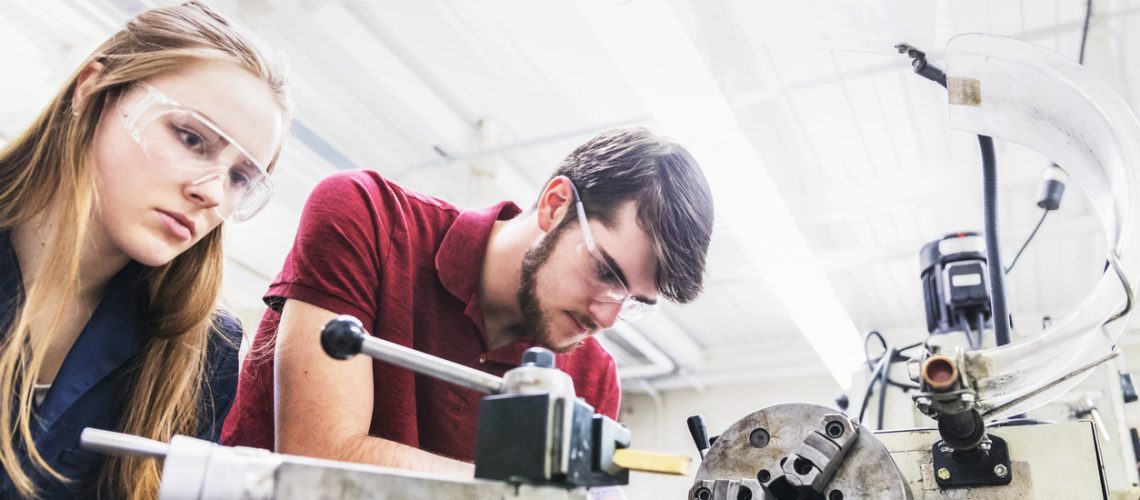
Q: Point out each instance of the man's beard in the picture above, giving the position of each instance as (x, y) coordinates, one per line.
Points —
(535, 325)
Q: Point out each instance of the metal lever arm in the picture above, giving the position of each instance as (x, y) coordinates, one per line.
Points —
(345, 337)
(114, 443)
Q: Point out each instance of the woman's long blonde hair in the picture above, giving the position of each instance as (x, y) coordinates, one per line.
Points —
(47, 169)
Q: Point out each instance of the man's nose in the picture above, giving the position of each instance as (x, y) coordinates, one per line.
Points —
(605, 314)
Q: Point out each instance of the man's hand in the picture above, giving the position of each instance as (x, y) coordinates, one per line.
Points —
(323, 406)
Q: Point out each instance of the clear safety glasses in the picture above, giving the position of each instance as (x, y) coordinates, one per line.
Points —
(605, 283)
(187, 145)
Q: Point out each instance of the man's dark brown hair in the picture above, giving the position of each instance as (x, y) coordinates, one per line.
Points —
(674, 203)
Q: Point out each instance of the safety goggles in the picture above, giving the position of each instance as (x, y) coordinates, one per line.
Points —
(605, 283)
(187, 145)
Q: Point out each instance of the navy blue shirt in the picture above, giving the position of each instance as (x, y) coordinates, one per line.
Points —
(94, 382)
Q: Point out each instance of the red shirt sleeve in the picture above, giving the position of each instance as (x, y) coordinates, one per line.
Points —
(335, 260)
(610, 401)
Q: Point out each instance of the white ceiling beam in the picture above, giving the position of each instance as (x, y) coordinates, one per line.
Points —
(667, 72)
(1012, 236)
(840, 200)
(846, 258)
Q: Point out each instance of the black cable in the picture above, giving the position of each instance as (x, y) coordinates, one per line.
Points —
(993, 248)
(883, 342)
(1085, 32)
(1080, 60)
(866, 355)
(905, 386)
(1027, 240)
(964, 324)
(895, 358)
(981, 329)
(989, 202)
(921, 65)
(884, 376)
(978, 333)
(871, 385)
(880, 373)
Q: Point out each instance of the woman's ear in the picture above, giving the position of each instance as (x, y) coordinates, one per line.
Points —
(85, 84)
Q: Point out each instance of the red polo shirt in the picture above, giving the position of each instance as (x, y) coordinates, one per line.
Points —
(408, 266)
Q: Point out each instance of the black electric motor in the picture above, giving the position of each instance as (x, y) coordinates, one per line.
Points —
(955, 284)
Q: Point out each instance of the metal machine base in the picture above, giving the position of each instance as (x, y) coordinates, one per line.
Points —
(1047, 461)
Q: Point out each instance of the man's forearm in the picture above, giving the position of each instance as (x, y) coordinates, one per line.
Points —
(378, 451)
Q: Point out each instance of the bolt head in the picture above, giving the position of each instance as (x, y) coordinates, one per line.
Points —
(538, 356)
(1001, 470)
(943, 473)
(759, 437)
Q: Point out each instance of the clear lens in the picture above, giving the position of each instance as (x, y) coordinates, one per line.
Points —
(604, 278)
(608, 287)
(186, 144)
(633, 310)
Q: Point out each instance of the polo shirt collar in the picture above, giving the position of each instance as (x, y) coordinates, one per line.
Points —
(459, 260)
(459, 263)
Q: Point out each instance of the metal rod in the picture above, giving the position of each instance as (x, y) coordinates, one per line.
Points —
(115, 443)
(431, 366)
(1128, 293)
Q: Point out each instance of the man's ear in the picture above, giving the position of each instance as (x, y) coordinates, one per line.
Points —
(556, 201)
(85, 84)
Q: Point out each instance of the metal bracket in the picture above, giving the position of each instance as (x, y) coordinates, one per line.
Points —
(972, 468)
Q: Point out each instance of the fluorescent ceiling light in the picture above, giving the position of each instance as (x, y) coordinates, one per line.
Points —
(657, 57)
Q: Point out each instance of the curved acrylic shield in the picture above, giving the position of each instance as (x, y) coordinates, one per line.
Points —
(1026, 94)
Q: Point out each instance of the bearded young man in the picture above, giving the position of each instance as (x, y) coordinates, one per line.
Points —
(626, 218)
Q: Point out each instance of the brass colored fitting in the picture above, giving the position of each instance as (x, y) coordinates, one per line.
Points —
(939, 372)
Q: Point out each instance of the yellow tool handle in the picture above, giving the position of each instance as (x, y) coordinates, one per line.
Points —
(648, 461)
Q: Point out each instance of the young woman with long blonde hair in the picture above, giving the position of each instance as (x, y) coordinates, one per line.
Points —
(111, 203)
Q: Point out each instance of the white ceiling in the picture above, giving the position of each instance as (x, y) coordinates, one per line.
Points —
(477, 101)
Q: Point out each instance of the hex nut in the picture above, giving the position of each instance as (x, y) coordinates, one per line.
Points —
(1001, 470)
